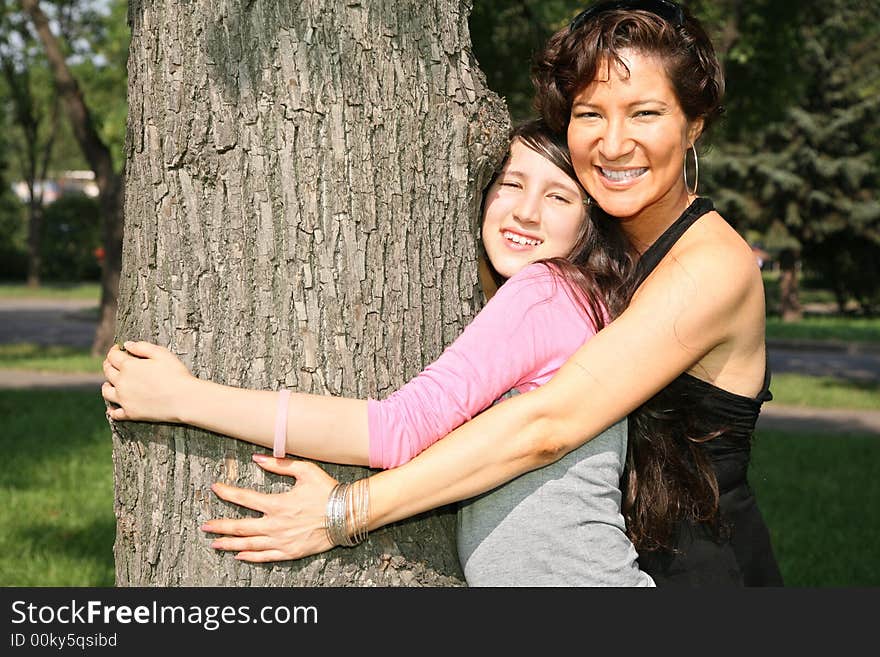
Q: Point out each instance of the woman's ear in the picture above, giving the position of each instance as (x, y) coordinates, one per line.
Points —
(695, 129)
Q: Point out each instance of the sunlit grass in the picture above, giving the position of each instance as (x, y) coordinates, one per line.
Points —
(843, 329)
(825, 392)
(28, 356)
(52, 291)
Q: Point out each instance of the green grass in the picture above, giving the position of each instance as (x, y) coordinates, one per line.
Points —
(52, 291)
(27, 356)
(846, 329)
(56, 522)
(824, 392)
(818, 495)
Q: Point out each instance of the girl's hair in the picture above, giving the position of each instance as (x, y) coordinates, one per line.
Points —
(598, 265)
(667, 476)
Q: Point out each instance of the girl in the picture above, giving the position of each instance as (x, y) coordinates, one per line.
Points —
(559, 526)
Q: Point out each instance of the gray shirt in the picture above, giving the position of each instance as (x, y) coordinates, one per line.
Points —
(560, 525)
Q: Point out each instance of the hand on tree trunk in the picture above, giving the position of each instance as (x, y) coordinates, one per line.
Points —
(292, 524)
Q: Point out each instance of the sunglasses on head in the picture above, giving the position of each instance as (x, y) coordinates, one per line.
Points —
(665, 9)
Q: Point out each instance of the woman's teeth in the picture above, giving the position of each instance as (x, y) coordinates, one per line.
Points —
(626, 174)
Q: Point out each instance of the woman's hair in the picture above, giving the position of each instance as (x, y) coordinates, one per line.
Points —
(667, 477)
(575, 55)
(598, 265)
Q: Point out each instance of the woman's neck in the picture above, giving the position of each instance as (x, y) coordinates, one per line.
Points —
(643, 229)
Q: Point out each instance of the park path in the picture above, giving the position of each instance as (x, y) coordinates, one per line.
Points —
(52, 322)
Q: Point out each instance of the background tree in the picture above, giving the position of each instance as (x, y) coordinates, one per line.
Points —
(301, 198)
(34, 119)
(808, 177)
(100, 159)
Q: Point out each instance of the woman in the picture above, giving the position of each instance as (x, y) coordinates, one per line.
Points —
(534, 212)
(634, 84)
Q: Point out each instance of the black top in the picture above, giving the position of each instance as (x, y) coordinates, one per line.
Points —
(698, 408)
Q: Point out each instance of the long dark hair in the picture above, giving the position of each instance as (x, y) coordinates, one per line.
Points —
(597, 268)
(667, 476)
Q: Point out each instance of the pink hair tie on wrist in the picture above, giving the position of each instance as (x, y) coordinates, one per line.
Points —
(280, 450)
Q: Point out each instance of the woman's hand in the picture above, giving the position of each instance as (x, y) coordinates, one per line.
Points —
(292, 524)
(147, 382)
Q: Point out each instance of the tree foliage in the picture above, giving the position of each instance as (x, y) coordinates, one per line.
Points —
(809, 179)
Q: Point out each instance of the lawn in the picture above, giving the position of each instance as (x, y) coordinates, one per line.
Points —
(52, 291)
(825, 392)
(56, 521)
(57, 525)
(831, 328)
(817, 494)
(29, 356)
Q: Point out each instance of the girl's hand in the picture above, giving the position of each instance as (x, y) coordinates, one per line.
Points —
(147, 382)
(292, 524)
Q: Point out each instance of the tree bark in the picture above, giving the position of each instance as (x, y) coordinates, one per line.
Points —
(97, 154)
(303, 181)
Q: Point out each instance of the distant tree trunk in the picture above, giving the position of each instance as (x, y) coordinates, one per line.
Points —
(789, 303)
(34, 242)
(97, 154)
(33, 158)
(302, 187)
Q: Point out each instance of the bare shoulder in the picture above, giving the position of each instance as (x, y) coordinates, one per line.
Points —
(713, 254)
(709, 283)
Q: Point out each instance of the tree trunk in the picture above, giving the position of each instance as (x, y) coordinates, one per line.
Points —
(97, 154)
(302, 187)
(34, 246)
(789, 303)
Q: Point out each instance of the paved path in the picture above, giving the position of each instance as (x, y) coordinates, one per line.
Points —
(73, 323)
(48, 321)
(818, 420)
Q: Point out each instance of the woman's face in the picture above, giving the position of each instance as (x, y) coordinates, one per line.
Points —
(628, 137)
(533, 210)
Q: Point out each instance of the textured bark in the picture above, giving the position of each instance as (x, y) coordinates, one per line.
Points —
(98, 156)
(303, 181)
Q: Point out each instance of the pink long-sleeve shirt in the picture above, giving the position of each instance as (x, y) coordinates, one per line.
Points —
(517, 342)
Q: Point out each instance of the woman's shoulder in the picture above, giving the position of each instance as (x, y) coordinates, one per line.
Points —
(712, 247)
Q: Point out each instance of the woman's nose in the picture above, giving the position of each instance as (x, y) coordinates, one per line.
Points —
(616, 142)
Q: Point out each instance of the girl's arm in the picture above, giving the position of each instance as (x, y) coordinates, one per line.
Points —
(514, 340)
(683, 312)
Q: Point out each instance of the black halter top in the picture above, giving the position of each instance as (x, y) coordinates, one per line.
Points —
(697, 409)
(717, 409)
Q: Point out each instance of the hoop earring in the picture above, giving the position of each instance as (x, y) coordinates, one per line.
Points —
(696, 171)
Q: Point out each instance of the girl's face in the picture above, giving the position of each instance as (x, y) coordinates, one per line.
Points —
(628, 137)
(533, 210)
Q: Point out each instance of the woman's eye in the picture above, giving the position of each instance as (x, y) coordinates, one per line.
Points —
(586, 115)
(645, 113)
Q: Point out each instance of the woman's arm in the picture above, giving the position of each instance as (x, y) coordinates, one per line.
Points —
(698, 301)
(681, 314)
(514, 340)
